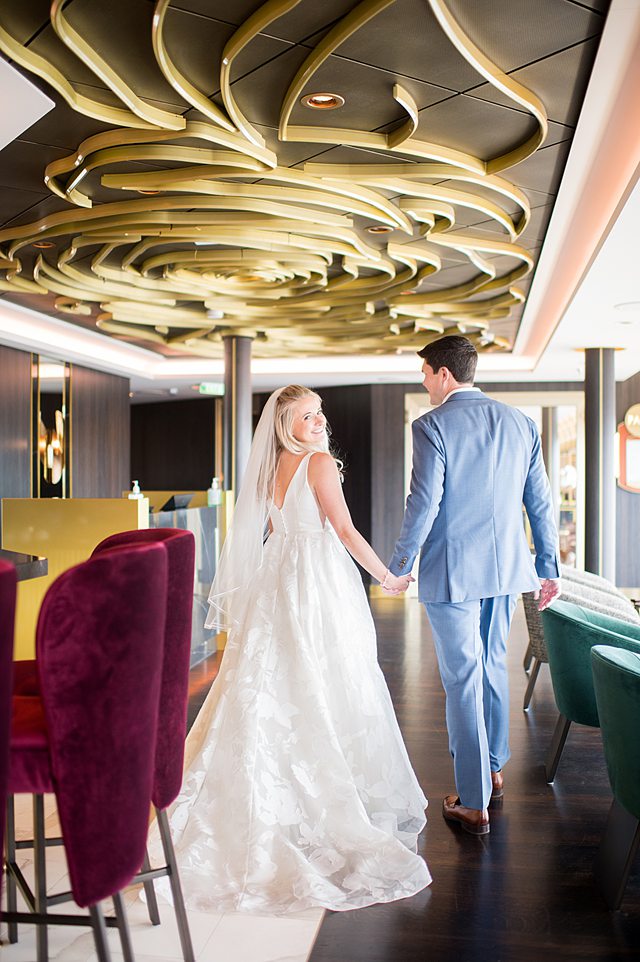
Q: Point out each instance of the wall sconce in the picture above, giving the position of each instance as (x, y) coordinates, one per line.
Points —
(51, 449)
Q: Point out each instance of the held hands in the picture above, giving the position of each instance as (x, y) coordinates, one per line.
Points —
(549, 589)
(395, 584)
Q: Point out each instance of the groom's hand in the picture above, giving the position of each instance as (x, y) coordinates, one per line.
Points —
(549, 589)
(396, 584)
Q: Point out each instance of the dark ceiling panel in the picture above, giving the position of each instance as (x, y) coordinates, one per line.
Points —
(195, 44)
(368, 94)
(560, 81)
(13, 201)
(120, 31)
(480, 128)
(30, 212)
(62, 127)
(302, 22)
(542, 171)
(23, 20)
(513, 33)
(22, 164)
(406, 39)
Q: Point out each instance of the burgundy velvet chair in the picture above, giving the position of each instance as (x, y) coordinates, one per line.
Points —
(174, 695)
(7, 615)
(89, 735)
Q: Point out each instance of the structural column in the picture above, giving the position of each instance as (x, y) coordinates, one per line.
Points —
(551, 454)
(236, 421)
(600, 483)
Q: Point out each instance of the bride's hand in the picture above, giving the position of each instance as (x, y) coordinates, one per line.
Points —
(396, 584)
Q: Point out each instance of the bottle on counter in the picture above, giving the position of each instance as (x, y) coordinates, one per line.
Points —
(135, 491)
(214, 494)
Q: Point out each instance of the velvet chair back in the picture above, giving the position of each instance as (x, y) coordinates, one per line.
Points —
(570, 634)
(616, 676)
(99, 646)
(174, 696)
(7, 615)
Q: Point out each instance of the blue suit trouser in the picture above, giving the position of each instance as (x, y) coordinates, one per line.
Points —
(471, 646)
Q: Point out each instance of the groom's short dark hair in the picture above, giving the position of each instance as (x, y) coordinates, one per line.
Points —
(454, 352)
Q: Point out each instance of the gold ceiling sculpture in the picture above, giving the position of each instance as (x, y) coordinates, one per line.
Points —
(216, 237)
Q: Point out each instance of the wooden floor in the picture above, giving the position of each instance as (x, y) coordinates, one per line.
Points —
(526, 891)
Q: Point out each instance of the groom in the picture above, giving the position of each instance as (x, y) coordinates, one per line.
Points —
(475, 463)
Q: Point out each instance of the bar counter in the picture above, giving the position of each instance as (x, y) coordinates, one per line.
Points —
(27, 566)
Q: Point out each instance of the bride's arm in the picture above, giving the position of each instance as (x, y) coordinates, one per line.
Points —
(325, 482)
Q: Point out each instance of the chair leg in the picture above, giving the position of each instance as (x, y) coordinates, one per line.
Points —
(40, 872)
(533, 677)
(99, 927)
(123, 928)
(555, 748)
(176, 890)
(12, 891)
(150, 892)
(618, 849)
(528, 656)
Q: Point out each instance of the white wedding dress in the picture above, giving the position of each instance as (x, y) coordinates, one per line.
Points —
(298, 791)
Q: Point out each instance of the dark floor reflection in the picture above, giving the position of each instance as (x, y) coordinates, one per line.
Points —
(526, 889)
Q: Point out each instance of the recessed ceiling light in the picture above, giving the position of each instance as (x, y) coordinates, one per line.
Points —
(379, 229)
(322, 101)
(148, 191)
(42, 245)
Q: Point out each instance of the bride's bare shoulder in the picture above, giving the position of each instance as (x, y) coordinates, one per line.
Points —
(321, 465)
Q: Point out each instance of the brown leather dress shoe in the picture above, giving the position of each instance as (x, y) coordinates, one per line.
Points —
(472, 820)
(497, 784)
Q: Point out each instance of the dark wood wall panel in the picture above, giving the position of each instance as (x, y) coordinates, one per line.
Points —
(100, 434)
(172, 444)
(387, 474)
(348, 411)
(627, 503)
(15, 423)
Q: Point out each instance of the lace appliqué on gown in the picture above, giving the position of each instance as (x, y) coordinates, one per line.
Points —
(299, 792)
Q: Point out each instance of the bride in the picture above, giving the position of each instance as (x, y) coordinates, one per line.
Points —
(298, 791)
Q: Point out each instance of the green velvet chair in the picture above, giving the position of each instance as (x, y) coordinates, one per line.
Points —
(570, 632)
(616, 678)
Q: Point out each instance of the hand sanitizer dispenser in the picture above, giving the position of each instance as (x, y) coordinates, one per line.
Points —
(214, 494)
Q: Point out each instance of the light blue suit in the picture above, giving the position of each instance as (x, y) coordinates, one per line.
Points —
(476, 461)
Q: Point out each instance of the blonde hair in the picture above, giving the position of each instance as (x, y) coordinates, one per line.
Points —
(283, 429)
(284, 418)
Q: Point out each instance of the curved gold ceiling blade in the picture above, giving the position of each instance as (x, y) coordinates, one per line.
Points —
(32, 62)
(454, 197)
(99, 66)
(246, 32)
(180, 83)
(497, 78)
(155, 210)
(135, 153)
(366, 173)
(240, 148)
(409, 127)
(93, 288)
(464, 241)
(424, 149)
(104, 323)
(174, 181)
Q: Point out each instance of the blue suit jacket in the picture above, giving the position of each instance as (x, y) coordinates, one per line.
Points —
(476, 461)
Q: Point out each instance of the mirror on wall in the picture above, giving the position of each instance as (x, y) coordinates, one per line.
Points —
(50, 407)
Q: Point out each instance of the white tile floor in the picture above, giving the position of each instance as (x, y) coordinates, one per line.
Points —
(216, 938)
